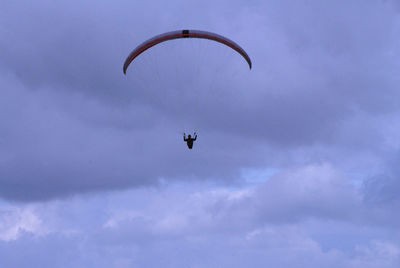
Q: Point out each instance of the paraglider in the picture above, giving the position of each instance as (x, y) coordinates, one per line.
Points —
(184, 34)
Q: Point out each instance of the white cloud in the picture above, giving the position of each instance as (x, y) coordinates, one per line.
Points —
(14, 221)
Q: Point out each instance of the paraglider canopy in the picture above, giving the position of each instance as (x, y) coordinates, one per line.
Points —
(184, 34)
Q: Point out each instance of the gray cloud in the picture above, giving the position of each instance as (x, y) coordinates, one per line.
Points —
(319, 78)
(318, 111)
(296, 164)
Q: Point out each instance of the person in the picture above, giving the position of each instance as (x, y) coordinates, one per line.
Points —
(189, 140)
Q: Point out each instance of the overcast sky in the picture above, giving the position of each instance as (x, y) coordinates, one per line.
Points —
(296, 162)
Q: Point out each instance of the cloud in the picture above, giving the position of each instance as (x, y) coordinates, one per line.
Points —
(201, 225)
(296, 160)
(73, 117)
(16, 221)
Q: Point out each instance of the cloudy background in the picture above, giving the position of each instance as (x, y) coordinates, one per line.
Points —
(296, 163)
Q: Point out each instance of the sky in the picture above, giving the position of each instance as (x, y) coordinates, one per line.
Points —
(296, 162)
